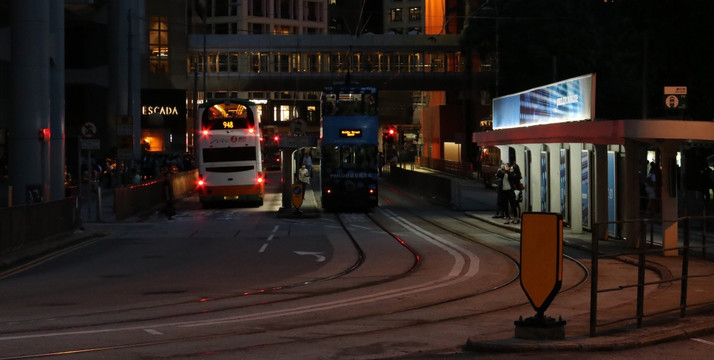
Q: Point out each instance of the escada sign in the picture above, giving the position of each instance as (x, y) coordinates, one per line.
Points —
(160, 110)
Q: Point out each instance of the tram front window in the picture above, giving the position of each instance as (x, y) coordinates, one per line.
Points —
(351, 157)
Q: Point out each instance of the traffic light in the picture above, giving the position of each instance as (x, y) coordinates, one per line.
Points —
(389, 135)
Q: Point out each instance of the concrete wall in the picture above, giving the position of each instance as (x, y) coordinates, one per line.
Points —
(132, 200)
(25, 226)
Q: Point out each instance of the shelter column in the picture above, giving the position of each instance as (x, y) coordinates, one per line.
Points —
(670, 211)
(600, 190)
(534, 186)
(554, 177)
(631, 193)
(576, 188)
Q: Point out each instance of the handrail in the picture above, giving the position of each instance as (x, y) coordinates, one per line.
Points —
(641, 253)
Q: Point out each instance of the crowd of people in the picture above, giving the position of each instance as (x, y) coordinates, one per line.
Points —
(109, 172)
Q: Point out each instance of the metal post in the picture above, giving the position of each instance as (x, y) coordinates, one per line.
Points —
(685, 270)
(594, 254)
(99, 202)
(704, 233)
(640, 281)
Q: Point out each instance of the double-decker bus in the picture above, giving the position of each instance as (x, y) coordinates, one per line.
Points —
(229, 152)
(350, 141)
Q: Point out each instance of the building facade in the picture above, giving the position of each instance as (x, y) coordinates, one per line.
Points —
(133, 71)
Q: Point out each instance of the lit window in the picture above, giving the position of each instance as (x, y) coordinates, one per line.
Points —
(159, 44)
(415, 14)
(395, 14)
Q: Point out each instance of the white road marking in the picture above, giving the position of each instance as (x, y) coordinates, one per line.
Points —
(703, 341)
(262, 248)
(153, 332)
(318, 255)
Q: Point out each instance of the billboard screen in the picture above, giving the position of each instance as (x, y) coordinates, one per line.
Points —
(567, 100)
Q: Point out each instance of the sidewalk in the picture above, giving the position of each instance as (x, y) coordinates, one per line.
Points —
(479, 202)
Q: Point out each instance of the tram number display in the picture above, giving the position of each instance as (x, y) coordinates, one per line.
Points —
(220, 124)
(350, 133)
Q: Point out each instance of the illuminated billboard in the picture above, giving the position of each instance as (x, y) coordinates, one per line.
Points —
(568, 100)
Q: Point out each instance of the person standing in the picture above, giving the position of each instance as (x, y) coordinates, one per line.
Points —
(514, 179)
(303, 177)
(307, 161)
(501, 197)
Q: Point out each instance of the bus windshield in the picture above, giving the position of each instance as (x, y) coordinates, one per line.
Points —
(227, 116)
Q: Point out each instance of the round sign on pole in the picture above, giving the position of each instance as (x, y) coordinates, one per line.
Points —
(298, 195)
(88, 130)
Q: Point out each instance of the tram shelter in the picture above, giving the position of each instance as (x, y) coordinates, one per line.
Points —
(591, 171)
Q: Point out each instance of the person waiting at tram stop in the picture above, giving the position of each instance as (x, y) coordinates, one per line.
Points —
(307, 161)
(507, 182)
(304, 176)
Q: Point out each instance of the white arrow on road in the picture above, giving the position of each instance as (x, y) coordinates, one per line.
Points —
(318, 255)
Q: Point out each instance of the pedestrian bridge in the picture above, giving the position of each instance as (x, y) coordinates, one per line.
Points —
(310, 62)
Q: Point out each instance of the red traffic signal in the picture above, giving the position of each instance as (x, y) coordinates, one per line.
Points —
(389, 135)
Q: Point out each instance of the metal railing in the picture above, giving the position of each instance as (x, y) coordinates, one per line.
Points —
(645, 246)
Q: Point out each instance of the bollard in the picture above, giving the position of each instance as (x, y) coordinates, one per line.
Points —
(99, 203)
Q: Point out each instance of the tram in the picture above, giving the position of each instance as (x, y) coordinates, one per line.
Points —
(229, 152)
(349, 132)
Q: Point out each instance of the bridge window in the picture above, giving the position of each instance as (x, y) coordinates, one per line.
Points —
(257, 8)
(283, 30)
(313, 11)
(316, 62)
(256, 28)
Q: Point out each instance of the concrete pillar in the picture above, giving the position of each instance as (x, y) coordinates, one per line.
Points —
(29, 158)
(124, 88)
(521, 162)
(554, 177)
(630, 196)
(575, 196)
(57, 96)
(669, 200)
(534, 186)
(599, 188)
